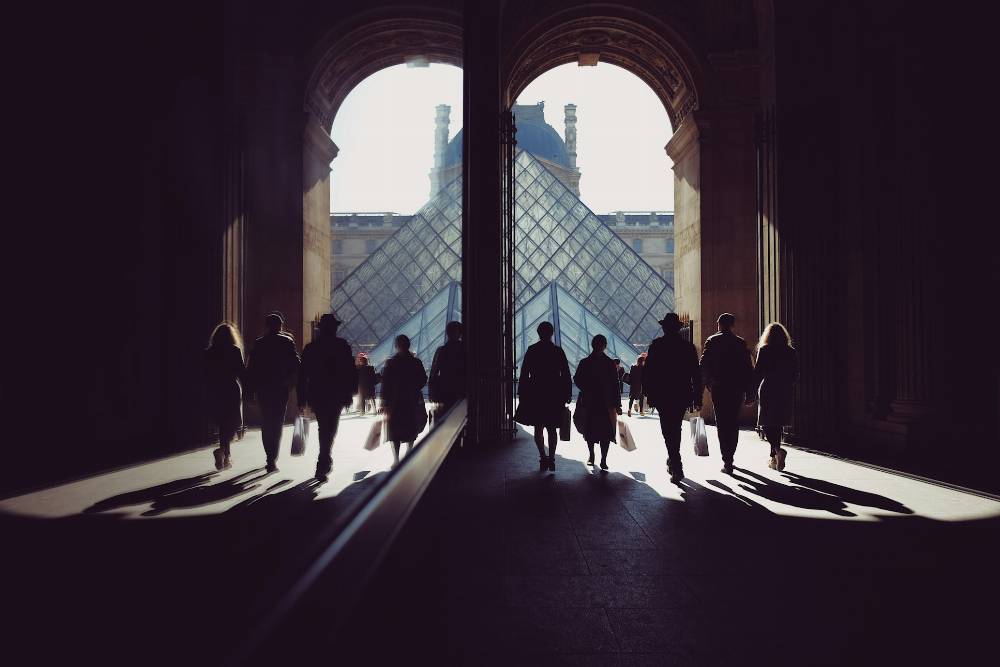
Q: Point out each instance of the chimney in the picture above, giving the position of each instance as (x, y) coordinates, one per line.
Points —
(571, 133)
(441, 123)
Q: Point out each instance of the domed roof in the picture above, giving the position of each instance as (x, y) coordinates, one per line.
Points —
(534, 135)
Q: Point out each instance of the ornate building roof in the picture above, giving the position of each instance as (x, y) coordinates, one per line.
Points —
(533, 135)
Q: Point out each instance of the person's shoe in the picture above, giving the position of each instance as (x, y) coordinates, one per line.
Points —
(590, 461)
(604, 465)
(630, 412)
(272, 466)
(728, 468)
(321, 478)
(781, 458)
(772, 463)
(219, 459)
(227, 462)
(552, 463)
(543, 463)
(676, 477)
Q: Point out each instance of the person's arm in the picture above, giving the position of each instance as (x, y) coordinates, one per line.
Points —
(568, 382)
(435, 374)
(525, 376)
(748, 374)
(707, 359)
(302, 388)
(697, 389)
(578, 377)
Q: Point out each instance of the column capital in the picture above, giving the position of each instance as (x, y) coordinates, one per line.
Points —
(317, 140)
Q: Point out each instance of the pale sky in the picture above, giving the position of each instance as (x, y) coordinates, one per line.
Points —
(385, 132)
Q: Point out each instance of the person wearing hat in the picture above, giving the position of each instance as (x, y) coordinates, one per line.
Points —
(328, 380)
(727, 372)
(274, 361)
(673, 385)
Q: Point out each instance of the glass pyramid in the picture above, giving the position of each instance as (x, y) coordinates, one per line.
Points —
(425, 328)
(557, 240)
(575, 325)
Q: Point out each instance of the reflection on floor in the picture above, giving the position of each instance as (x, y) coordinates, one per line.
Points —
(823, 563)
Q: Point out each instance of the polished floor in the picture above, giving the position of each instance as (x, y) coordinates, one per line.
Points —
(827, 562)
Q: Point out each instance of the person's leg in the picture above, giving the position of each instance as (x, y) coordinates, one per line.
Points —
(630, 401)
(553, 440)
(272, 418)
(543, 461)
(773, 436)
(590, 447)
(328, 424)
(605, 445)
(642, 404)
(394, 444)
(727, 414)
(671, 421)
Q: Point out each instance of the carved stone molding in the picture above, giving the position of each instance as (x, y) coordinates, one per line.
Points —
(622, 42)
(361, 52)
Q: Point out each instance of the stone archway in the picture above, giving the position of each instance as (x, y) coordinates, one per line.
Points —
(341, 60)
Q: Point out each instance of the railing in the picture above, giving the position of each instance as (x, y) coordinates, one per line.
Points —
(355, 552)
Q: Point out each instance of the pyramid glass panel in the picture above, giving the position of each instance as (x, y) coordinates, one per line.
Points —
(425, 328)
(557, 240)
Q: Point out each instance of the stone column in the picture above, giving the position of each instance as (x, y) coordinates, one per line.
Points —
(442, 120)
(317, 154)
(570, 118)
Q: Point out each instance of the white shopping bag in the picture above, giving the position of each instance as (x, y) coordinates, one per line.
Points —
(699, 436)
(625, 438)
(299, 436)
(375, 435)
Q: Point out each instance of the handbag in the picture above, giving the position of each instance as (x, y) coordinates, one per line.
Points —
(376, 435)
(625, 438)
(299, 436)
(564, 431)
(699, 436)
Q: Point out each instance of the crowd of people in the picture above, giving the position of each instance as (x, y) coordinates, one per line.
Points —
(669, 377)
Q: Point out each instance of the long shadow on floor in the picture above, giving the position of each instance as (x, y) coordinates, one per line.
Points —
(794, 496)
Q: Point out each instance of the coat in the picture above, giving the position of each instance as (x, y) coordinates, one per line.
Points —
(775, 375)
(544, 386)
(225, 376)
(596, 405)
(672, 378)
(403, 381)
(635, 375)
(273, 365)
(328, 378)
(725, 363)
(446, 383)
(367, 379)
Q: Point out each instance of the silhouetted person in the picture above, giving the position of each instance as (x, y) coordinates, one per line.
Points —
(446, 384)
(774, 375)
(327, 381)
(544, 388)
(403, 381)
(274, 362)
(621, 376)
(635, 392)
(727, 370)
(597, 405)
(367, 379)
(672, 381)
(225, 375)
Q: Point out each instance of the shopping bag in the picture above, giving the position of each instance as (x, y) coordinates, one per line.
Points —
(625, 438)
(564, 430)
(699, 436)
(375, 434)
(299, 436)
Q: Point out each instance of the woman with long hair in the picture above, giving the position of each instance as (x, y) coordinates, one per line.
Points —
(403, 382)
(775, 374)
(225, 377)
(544, 388)
(598, 404)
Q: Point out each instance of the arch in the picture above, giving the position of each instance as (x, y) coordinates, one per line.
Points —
(350, 54)
(635, 43)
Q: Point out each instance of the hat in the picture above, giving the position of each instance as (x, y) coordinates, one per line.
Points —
(275, 313)
(726, 318)
(671, 320)
(329, 321)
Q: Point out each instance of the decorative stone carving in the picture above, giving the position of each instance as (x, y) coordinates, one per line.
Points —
(622, 42)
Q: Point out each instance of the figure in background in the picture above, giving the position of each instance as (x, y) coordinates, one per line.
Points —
(775, 374)
(327, 381)
(635, 392)
(274, 363)
(446, 385)
(367, 379)
(727, 371)
(544, 388)
(621, 376)
(597, 405)
(672, 381)
(403, 381)
(225, 376)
